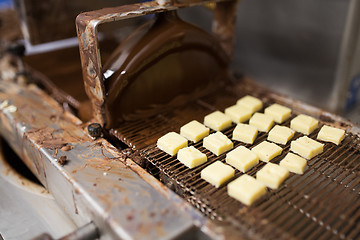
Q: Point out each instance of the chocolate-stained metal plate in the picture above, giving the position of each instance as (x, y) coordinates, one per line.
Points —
(87, 30)
(96, 182)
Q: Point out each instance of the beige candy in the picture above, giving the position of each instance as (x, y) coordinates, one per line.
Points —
(278, 112)
(238, 113)
(266, 151)
(217, 143)
(304, 124)
(272, 175)
(250, 102)
(217, 121)
(171, 143)
(194, 131)
(306, 147)
(280, 134)
(262, 122)
(242, 159)
(294, 163)
(246, 189)
(331, 134)
(245, 133)
(217, 173)
(191, 157)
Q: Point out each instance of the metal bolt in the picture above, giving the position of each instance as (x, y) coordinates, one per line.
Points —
(95, 129)
(17, 49)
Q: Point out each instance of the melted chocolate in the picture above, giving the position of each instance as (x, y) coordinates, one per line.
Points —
(162, 64)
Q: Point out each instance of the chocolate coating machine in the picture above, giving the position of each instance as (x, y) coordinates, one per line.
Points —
(118, 185)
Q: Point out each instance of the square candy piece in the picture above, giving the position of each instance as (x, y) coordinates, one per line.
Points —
(304, 124)
(242, 158)
(238, 113)
(194, 131)
(217, 173)
(294, 163)
(262, 122)
(306, 147)
(191, 157)
(217, 121)
(272, 175)
(250, 102)
(266, 151)
(280, 134)
(245, 133)
(246, 189)
(217, 143)
(171, 143)
(278, 112)
(331, 134)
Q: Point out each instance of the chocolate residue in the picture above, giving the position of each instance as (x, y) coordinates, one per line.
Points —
(55, 153)
(75, 205)
(130, 217)
(51, 138)
(326, 118)
(54, 118)
(45, 138)
(62, 160)
(66, 148)
(343, 124)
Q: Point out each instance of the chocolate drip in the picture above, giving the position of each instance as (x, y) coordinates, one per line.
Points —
(163, 63)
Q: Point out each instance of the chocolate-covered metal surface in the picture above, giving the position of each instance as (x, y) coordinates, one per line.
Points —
(167, 64)
(87, 24)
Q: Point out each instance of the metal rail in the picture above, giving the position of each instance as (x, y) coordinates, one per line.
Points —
(97, 183)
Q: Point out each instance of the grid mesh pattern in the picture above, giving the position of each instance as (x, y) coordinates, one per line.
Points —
(323, 203)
